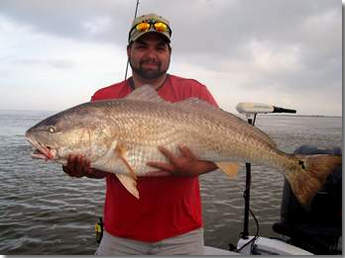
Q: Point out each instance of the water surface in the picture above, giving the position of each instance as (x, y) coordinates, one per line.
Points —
(44, 211)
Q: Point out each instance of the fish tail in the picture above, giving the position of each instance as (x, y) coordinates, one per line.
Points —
(310, 174)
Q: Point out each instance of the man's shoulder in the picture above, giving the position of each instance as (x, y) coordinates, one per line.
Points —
(115, 90)
(186, 81)
(183, 88)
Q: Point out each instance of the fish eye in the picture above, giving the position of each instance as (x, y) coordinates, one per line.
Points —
(51, 129)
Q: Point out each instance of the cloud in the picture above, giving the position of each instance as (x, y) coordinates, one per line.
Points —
(43, 71)
(79, 19)
(270, 50)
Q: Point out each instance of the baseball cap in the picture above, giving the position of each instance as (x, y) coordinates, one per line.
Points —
(149, 23)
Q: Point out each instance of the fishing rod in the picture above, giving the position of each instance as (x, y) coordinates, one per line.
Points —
(135, 16)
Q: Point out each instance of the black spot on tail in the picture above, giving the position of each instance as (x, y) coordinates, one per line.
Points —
(301, 163)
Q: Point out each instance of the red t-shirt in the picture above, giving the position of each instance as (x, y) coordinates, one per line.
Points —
(168, 205)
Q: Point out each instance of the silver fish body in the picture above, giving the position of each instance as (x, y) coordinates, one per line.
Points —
(122, 135)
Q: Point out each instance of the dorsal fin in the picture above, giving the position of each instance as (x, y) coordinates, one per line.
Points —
(148, 93)
(194, 102)
(145, 92)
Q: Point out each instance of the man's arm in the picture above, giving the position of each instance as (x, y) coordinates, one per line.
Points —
(184, 165)
(78, 166)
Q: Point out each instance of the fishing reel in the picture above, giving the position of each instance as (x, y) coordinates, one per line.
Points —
(99, 230)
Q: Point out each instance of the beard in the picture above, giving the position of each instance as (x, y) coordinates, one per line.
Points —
(148, 73)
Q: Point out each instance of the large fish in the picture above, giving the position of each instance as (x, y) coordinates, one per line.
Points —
(122, 135)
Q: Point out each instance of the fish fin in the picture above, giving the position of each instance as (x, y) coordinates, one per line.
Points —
(129, 183)
(231, 169)
(311, 174)
(193, 102)
(121, 151)
(145, 92)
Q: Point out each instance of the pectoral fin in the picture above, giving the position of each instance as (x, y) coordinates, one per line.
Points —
(121, 151)
(231, 169)
(127, 180)
(129, 183)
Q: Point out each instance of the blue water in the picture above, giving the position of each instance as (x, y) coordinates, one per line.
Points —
(43, 211)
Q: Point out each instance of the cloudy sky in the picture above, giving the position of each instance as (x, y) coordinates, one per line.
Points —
(55, 54)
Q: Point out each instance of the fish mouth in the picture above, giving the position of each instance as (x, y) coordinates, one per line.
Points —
(41, 151)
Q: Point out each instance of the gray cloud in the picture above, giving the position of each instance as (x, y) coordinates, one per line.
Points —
(72, 19)
(292, 45)
(218, 26)
(203, 29)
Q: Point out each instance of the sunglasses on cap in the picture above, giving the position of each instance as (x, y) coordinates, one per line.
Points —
(157, 26)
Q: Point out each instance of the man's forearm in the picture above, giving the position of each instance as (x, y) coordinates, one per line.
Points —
(97, 174)
(206, 166)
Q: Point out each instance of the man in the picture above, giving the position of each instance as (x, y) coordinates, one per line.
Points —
(167, 218)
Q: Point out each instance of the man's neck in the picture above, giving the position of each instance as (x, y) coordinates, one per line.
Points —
(155, 83)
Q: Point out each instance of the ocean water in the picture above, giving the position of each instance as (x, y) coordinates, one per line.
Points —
(44, 211)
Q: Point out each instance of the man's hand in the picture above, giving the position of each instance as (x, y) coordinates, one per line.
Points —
(186, 164)
(78, 166)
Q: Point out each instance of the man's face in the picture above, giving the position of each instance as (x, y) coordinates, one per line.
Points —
(149, 56)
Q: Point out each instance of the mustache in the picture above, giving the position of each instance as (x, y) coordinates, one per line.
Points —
(150, 61)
